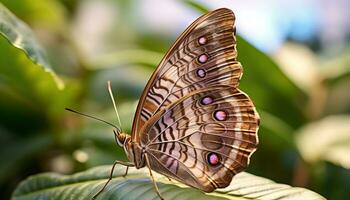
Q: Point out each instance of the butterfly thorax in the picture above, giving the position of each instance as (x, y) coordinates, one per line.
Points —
(134, 151)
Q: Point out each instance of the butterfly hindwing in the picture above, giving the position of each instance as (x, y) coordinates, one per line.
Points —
(181, 139)
(203, 56)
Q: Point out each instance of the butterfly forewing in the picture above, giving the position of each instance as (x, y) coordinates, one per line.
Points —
(203, 56)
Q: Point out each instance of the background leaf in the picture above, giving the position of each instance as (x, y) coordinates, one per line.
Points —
(50, 13)
(21, 150)
(32, 100)
(20, 36)
(333, 141)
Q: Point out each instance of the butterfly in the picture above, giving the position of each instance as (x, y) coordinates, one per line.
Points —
(192, 123)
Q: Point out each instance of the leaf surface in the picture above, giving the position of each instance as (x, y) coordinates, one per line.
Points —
(137, 185)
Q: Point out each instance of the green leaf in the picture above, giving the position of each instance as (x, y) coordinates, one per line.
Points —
(326, 140)
(29, 89)
(44, 14)
(21, 36)
(28, 94)
(137, 185)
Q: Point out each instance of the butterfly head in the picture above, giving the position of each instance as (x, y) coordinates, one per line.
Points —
(120, 137)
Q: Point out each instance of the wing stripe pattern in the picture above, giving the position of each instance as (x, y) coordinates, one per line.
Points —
(229, 98)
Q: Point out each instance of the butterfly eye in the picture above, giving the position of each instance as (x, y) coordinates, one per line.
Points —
(202, 58)
(201, 73)
(202, 40)
(213, 159)
(206, 100)
(220, 115)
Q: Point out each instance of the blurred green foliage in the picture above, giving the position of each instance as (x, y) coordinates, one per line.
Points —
(37, 135)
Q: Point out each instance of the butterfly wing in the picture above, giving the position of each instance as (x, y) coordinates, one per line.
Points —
(203, 139)
(194, 123)
(203, 56)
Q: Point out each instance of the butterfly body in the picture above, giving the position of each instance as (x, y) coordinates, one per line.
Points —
(132, 150)
(192, 123)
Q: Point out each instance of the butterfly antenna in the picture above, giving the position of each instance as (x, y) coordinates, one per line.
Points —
(114, 105)
(92, 117)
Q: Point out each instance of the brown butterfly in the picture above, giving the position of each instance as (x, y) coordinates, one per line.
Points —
(192, 123)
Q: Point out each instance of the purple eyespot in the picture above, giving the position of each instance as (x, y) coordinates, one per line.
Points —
(202, 40)
(203, 58)
(220, 115)
(213, 159)
(201, 73)
(207, 100)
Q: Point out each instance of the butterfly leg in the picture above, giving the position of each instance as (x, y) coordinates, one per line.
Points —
(126, 171)
(153, 180)
(127, 164)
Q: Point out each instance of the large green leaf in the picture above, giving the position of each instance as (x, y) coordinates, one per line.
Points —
(137, 185)
(21, 36)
